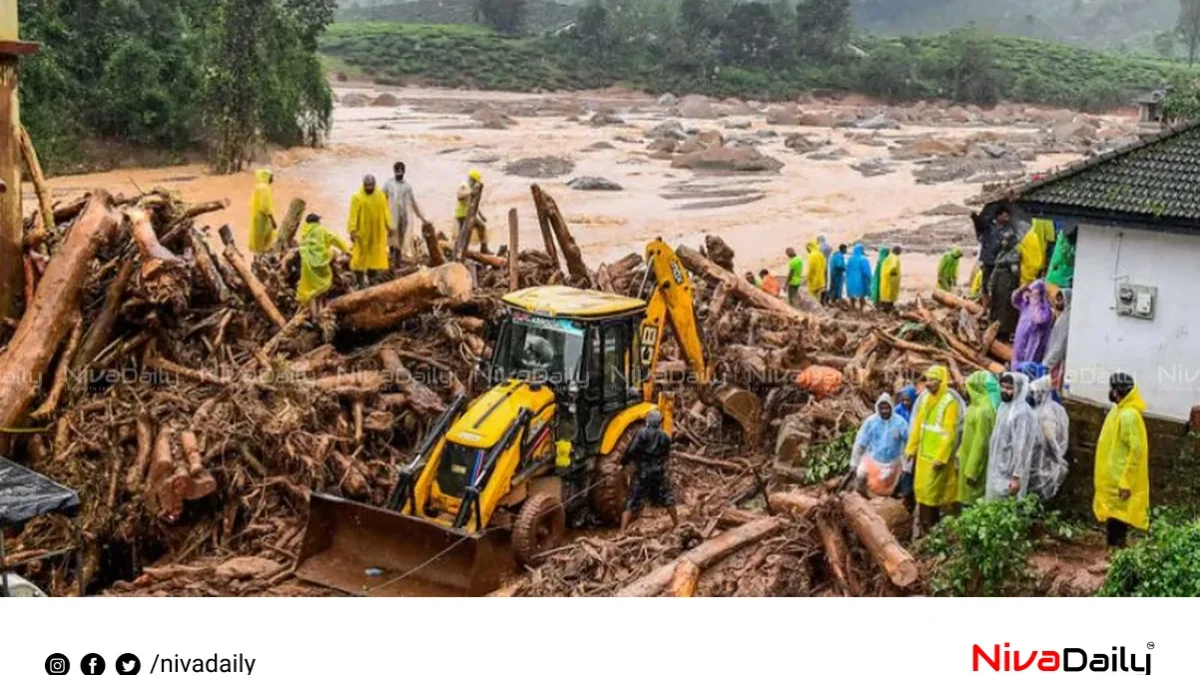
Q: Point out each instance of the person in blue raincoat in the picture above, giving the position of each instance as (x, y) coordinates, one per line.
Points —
(905, 400)
(878, 455)
(837, 275)
(858, 277)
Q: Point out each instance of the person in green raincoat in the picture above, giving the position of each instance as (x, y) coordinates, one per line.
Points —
(369, 224)
(932, 441)
(883, 254)
(977, 431)
(948, 269)
(316, 254)
(1062, 265)
(262, 212)
(1122, 475)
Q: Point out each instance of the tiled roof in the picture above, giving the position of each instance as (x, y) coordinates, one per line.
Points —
(1154, 180)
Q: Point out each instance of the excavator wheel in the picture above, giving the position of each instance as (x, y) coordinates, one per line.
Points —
(539, 527)
(611, 490)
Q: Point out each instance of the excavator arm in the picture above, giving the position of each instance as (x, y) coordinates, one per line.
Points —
(671, 304)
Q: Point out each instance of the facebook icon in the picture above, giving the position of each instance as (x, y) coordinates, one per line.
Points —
(92, 664)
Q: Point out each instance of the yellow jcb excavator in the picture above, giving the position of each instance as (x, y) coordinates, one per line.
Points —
(572, 380)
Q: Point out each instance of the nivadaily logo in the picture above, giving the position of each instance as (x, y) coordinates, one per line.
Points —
(1004, 659)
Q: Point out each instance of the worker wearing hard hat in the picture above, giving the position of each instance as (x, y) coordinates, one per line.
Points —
(463, 207)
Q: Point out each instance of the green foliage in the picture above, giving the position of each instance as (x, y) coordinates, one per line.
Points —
(829, 459)
(506, 16)
(1182, 102)
(982, 551)
(1166, 563)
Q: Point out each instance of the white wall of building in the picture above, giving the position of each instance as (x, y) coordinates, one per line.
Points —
(1163, 354)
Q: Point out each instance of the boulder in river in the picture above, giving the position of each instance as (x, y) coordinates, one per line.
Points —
(784, 115)
(603, 119)
(355, 100)
(386, 100)
(593, 183)
(670, 129)
(668, 100)
(697, 107)
(727, 158)
(540, 167)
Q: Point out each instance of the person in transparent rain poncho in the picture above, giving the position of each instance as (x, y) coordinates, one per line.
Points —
(1048, 469)
(1014, 440)
(878, 455)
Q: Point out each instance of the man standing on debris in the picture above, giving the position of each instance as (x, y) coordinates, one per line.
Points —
(858, 278)
(400, 200)
(837, 275)
(932, 441)
(878, 275)
(948, 269)
(878, 456)
(648, 452)
(815, 271)
(990, 231)
(1122, 476)
(463, 208)
(1048, 469)
(795, 275)
(369, 225)
(1011, 450)
(316, 254)
(889, 284)
(977, 434)
(262, 213)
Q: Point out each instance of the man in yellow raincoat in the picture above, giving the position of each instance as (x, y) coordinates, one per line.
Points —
(369, 226)
(814, 270)
(1046, 232)
(932, 441)
(977, 431)
(316, 254)
(1033, 256)
(1122, 463)
(262, 212)
(889, 280)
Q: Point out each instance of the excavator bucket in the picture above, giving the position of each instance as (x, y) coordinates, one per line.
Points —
(743, 407)
(365, 550)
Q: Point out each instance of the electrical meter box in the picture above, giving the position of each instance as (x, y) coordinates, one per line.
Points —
(1137, 301)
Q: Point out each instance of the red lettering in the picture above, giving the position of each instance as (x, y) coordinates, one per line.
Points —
(1024, 666)
(978, 653)
(1049, 662)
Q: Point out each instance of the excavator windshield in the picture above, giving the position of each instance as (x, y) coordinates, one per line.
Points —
(539, 349)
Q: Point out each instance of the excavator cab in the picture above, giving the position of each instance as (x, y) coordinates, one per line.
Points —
(571, 381)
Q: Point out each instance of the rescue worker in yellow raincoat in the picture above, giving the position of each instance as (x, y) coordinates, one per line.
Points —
(1033, 256)
(889, 280)
(369, 225)
(262, 212)
(316, 254)
(814, 270)
(932, 441)
(1122, 475)
(463, 207)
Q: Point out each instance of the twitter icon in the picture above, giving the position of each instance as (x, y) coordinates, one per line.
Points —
(129, 664)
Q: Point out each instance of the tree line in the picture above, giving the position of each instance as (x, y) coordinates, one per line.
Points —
(223, 75)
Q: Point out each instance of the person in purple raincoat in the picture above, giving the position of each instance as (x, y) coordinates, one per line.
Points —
(1035, 324)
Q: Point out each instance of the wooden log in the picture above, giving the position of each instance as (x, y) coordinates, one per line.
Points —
(159, 363)
(71, 210)
(1001, 350)
(544, 225)
(269, 348)
(837, 553)
(514, 268)
(351, 385)
(98, 333)
(797, 504)
(290, 225)
(873, 532)
(256, 288)
(705, 555)
(949, 299)
(208, 267)
(432, 244)
(145, 443)
(684, 580)
(48, 319)
(417, 394)
(744, 290)
(61, 374)
(576, 268)
(388, 304)
(989, 336)
(894, 514)
(717, 304)
(464, 233)
(183, 222)
(45, 222)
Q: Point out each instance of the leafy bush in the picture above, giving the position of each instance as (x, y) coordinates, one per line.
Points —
(1166, 563)
(830, 459)
(982, 551)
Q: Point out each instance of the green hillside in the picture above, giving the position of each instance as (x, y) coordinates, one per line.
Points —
(541, 15)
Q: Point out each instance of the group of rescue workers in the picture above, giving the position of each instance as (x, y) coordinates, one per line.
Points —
(378, 226)
(834, 278)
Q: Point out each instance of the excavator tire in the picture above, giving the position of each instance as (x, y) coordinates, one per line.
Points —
(539, 527)
(611, 490)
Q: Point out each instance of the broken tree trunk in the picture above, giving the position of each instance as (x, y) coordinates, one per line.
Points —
(837, 554)
(684, 580)
(208, 267)
(291, 223)
(97, 335)
(514, 268)
(47, 321)
(744, 290)
(873, 532)
(164, 276)
(544, 226)
(429, 234)
(575, 266)
(61, 374)
(797, 504)
(145, 443)
(45, 208)
(416, 394)
(387, 304)
(705, 555)
(957, 302)
(256, 288)
(464, 232)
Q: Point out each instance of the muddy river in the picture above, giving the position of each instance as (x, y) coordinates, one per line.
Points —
(433, 134)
